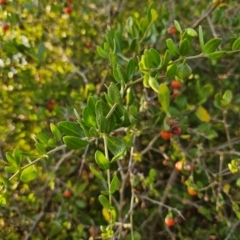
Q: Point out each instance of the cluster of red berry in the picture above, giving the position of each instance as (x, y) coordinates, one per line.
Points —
(68, 9)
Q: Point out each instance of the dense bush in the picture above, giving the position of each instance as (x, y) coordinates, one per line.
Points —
(120, 120)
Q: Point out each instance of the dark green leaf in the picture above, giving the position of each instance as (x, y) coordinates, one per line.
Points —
(155, 57)
(29, 174)
(70, 129)
(184, 47)
(217, 101)
(211, 45)
(115, 145)
(166, 59)
(131, 68)
(226, 98)
(101, 160)
(171, 70)
(74, 142)
(174, 51)
(122, 74)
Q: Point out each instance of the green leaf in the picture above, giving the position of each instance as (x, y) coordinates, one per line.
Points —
(70, 129)
(55, 131)
(171, 70)
(96, 173)
(114, 94)
(211, 45)
(101, 160)
(40, 147)
(177, 26)
(136, 236)
(236, 44)
(164, 97)
(10, 158)
(226, 98)
(113, 59)
(153, 83)
(89, 117)
(74, 142)
(202, 114)
(11, 169)
(217, 101)
(155, 57)
(5, 181)
(154, 15)
(43, 138)
(101, 52)
(52, 142)
(104, 201)
(201, 40)
(114, 184)
(184, 47)
(166, 59)
(131, 68)
(216, 55)
(172, 47)
(41, 50)
(191, 32)
(115, 145)
(122, 74)
(29, 174)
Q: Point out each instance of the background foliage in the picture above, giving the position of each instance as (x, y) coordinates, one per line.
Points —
(51, 65)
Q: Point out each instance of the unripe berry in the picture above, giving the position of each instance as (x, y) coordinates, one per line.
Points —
(184, 70)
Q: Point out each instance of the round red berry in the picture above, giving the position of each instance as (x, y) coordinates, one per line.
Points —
(68, 10)
(67, 194)
(172, 31)
(51, 105)
(2, 2)
(166, 135)
(179, 165)
(5, 27)
(176, 130)
(176, 84)
(169, 221)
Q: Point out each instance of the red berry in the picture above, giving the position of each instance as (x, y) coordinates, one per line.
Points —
(166, 135)
(5, 27)
(70, 1)
(176, 130)
(68, 10)
(192, 191)
(169, 221)
(172, 31)
(67, 194)
(3, 2)
(51, 105)
(88, 44)
(176, 84)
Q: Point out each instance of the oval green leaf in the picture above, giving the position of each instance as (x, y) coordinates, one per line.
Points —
(29, 174)
(164, 97)
(74, 143)
(172, 47)
(101, 160)
(211, 45)
(104, 201)
(114, 184)
(236, 44)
